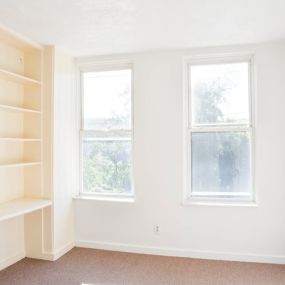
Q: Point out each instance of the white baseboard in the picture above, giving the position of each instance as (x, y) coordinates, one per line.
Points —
(63, 250)
(11, 260)
(52, 256)
(228, 256)
(43, 256)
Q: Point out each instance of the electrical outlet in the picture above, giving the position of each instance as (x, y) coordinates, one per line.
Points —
(156, 229)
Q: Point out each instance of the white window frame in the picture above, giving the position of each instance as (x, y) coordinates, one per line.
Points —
(98, 66)
(189, 198)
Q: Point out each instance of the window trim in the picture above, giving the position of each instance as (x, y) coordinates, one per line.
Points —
(93, 66)
(223, 200)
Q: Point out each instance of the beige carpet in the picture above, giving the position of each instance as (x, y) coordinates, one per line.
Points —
(88, 266)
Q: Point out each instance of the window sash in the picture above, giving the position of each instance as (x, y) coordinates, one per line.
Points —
(97, 136)
(104, 139)
(217, 127)
(105, 135)
(190, 194)
(88, 67)
(220, 60)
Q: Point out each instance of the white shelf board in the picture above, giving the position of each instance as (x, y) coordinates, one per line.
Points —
(21, 206)
(18, 164)
(18, 109)
(18, 78)
(20, 139)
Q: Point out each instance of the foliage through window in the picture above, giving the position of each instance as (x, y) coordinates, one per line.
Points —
(219, 129)
(106, 136)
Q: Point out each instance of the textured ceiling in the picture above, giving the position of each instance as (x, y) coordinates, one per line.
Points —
(91, 27)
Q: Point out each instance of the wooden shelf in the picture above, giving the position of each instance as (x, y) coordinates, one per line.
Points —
(18, 78)
(21, 206)
(18, 164)
(20, 139)
(18, 109)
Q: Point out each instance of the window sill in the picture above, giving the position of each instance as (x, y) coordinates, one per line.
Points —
(219, 202)
(128, 199)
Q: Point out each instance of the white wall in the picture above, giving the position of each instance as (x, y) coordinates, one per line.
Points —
(239, 233)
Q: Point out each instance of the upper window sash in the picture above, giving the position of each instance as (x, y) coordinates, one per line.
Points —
(218, 60)
(96, 126)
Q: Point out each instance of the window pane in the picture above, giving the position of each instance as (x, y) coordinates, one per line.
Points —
(220, 93)
(107, 100)
(220, 162)
(107, 166)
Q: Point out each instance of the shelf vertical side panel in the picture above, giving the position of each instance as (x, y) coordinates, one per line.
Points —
(47, 142)
(34, 236)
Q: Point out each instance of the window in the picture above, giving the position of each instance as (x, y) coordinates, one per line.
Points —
(219, 129)
(106, 132)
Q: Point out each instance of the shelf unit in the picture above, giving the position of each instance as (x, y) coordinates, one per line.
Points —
(21, 134)
(36, 167)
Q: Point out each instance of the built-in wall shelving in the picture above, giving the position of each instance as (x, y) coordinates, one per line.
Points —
(21, 145)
